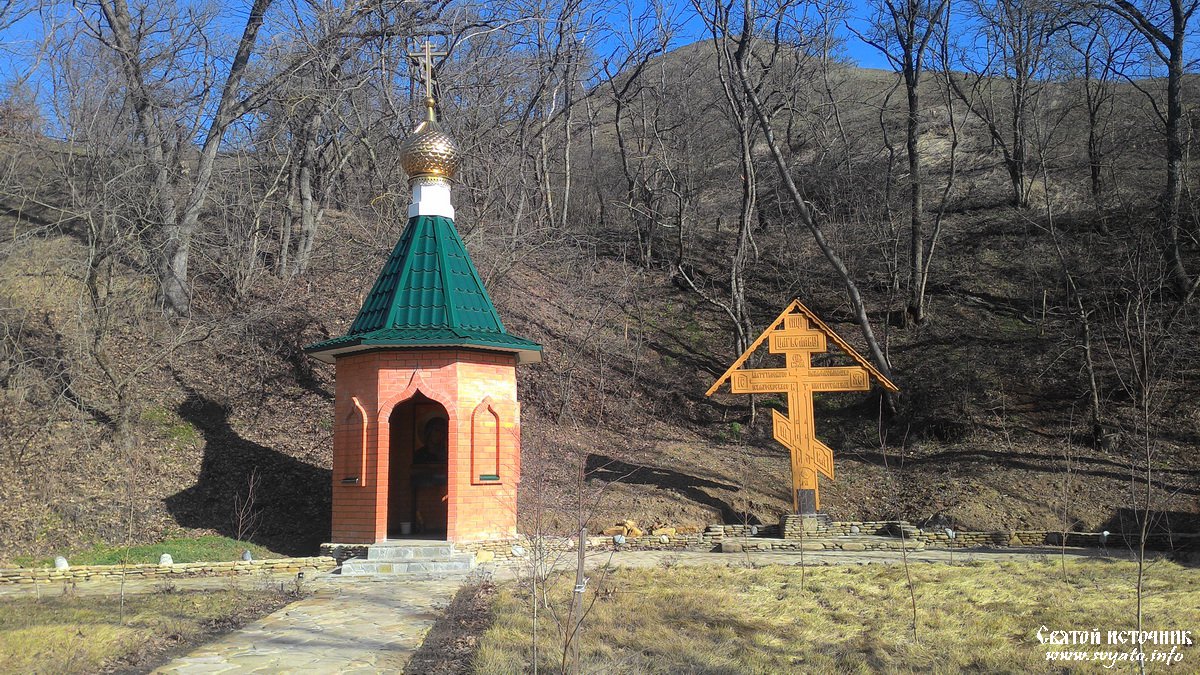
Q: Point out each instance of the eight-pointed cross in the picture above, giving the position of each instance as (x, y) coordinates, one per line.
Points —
(802, 335)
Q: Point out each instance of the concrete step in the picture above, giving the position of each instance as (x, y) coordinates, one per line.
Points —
(416, 550)
(455, 564)
(411, 557)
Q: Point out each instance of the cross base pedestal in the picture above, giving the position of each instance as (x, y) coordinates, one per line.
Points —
(795, 526)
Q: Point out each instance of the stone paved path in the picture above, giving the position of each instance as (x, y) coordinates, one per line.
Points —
(360, 625)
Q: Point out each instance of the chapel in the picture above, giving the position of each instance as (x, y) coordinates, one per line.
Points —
(426, 434)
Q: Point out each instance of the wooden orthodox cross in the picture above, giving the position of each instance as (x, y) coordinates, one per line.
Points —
(797, 333)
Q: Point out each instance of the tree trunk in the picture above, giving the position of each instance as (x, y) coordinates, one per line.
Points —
(283, 265)
(1095, 156)
(916, 300)
(737, 281)
(176, 296)
(309, 207)
(1173, 195)
(1017, 158)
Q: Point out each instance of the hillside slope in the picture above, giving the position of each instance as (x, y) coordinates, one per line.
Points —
(121, 425)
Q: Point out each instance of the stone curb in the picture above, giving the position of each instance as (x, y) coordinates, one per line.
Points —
(30, 575)
(839, 535)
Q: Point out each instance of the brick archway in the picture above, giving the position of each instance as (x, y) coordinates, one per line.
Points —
(419, 464)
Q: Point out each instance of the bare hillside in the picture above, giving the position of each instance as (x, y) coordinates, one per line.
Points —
(118, 423)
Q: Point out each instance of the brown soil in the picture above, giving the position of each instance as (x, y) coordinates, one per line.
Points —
(450, 644)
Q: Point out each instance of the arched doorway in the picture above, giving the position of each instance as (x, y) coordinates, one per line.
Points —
(418, 469)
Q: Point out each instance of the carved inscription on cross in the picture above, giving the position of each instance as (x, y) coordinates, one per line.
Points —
(424, 59)
(798, 334)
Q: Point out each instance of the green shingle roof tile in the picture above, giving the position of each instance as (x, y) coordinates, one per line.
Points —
(428, 294)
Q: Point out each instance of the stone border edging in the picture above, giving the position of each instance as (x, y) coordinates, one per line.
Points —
(30, 575)
(711, 539)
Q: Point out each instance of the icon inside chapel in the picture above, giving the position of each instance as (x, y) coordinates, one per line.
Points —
(432, 434)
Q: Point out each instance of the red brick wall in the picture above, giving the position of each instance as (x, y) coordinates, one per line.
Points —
(460, 380)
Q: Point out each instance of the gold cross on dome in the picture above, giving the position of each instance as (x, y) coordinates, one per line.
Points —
(424, 59)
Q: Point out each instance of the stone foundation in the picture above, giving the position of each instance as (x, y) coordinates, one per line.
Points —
(791, 535)
(798, 526)
(848, 543)
(502, 550)
(343, 552)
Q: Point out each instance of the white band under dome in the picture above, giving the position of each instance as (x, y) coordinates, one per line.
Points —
(430, 197)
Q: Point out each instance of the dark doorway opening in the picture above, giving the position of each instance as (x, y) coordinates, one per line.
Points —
(418, 469)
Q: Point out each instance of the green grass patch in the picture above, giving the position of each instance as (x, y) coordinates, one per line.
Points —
(169, 425)
(978, 618)
(87, 634)
(208, 548)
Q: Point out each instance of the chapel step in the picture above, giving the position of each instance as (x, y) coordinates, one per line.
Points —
(410, 557)
(410, 550)
(458, 563)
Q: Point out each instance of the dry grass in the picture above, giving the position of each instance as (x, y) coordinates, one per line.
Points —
(86, 634)
(979, 617)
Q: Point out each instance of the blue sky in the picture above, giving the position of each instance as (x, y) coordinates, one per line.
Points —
(853, 49)
(20, 41)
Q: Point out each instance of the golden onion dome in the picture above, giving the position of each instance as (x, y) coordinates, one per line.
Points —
(430, 151)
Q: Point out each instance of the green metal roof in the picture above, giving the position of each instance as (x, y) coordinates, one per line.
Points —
(428, 294)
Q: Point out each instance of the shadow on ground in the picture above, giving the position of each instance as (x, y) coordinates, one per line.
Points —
(291, 502)
(610, 470)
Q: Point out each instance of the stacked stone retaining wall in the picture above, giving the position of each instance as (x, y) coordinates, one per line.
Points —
(343, 552)
(853, 535)
(851, 543)
(31, 575)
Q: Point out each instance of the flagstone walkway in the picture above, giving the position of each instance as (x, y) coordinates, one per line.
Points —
(355, 625)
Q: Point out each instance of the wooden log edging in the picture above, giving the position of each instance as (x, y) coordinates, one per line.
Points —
(31, 575)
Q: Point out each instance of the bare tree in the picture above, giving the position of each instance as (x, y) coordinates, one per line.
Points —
(1164, 27)
(748, 33)
(624, 73)
(1101, 52)
(1007, 74)
(1145, 340)
(732, 56)
(245, 512)
(902, 30)
(137, 49)
(156, 47)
